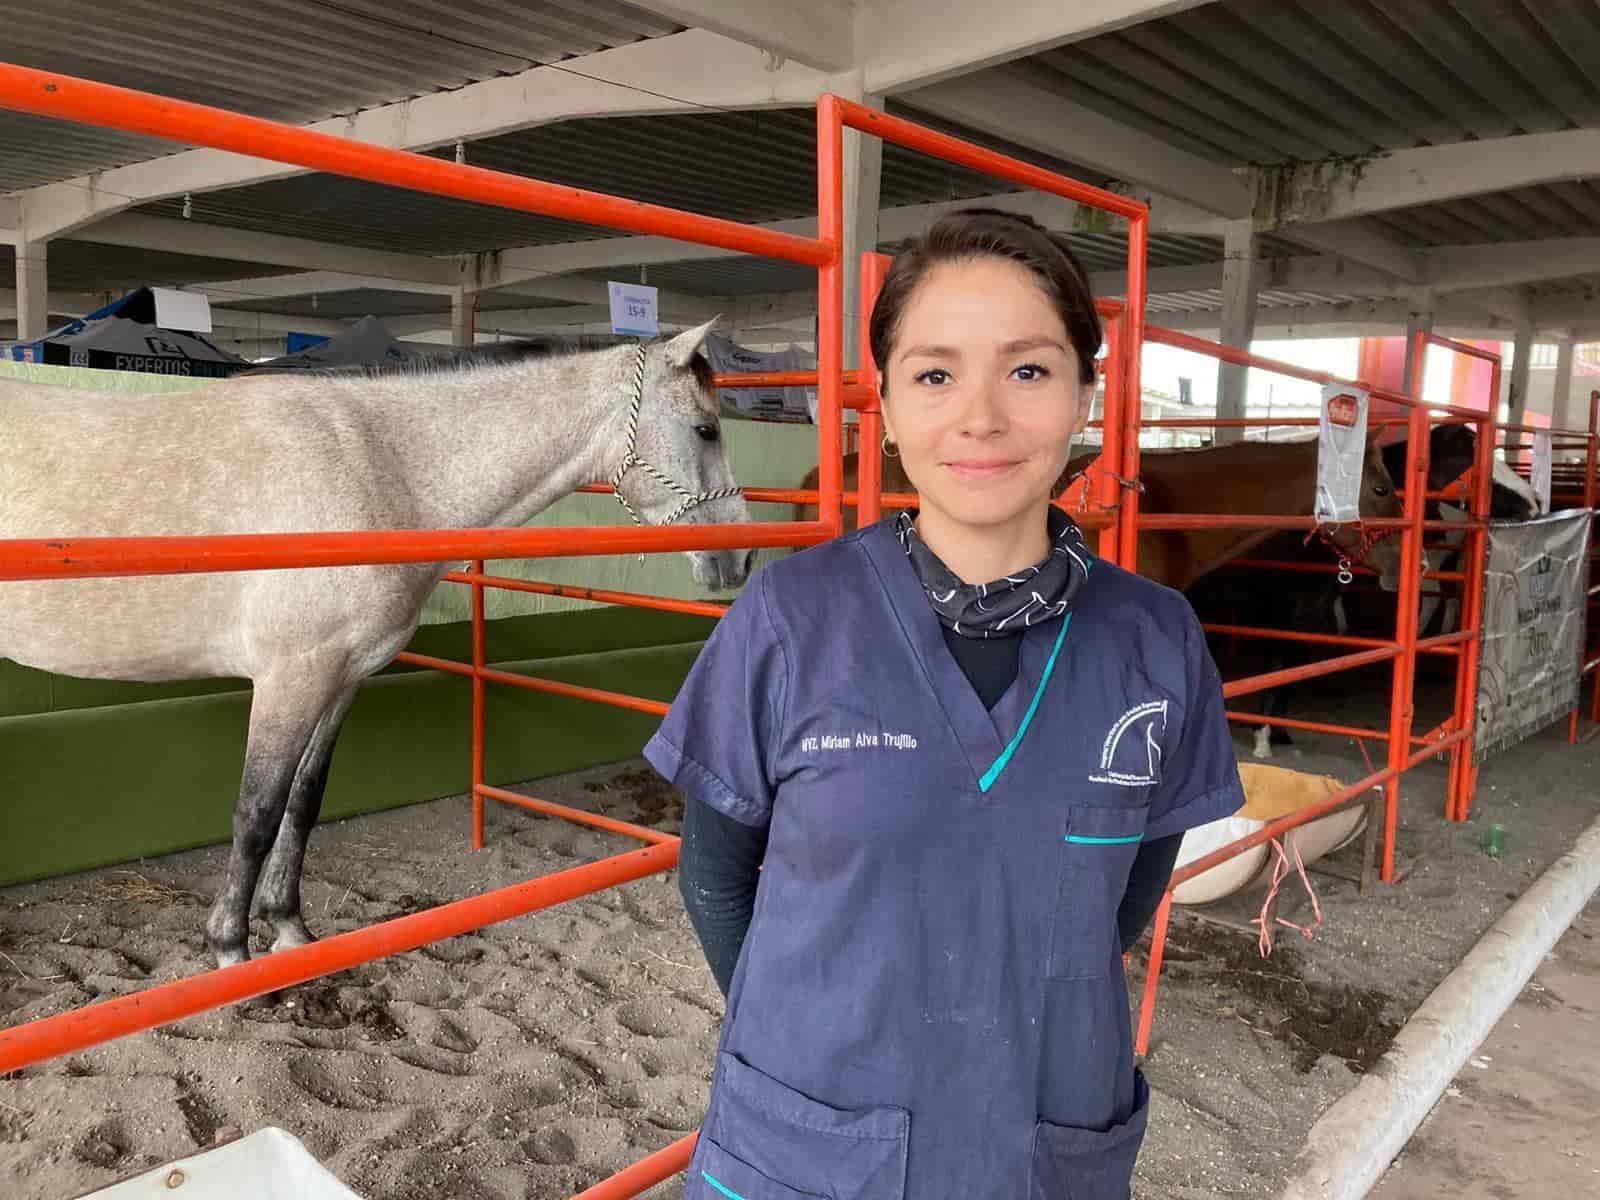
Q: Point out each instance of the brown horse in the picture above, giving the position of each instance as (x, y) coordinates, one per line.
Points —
(1276, 478)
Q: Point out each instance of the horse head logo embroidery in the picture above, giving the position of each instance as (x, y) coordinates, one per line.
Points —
(1131, 755)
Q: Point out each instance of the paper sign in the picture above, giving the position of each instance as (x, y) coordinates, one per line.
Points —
(1541, 469)
(633, 309)
(187, 312)
(1341, 454)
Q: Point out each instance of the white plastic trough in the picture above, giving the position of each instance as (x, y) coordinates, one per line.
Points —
(270, 1164)
(1270, 793)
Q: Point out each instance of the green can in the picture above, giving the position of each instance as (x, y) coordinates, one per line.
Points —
(1494, 840)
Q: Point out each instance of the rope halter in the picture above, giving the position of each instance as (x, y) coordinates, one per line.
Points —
(631, 459)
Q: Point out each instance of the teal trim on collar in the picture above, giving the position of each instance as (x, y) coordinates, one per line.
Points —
(729, 1192)
(999, 764)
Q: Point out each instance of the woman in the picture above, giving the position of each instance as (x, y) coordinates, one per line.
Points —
(964, 797)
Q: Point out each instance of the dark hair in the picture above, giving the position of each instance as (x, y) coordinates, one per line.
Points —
(971, 233)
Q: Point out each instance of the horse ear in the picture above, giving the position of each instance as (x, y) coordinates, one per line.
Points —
(681, 349)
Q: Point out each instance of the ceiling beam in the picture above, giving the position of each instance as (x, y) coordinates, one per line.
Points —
(243, 245)
(1504, 263)
(1490, 313)
(894, 224)
(308, 283)
(1362, 243)
(917, 42)
(819, 34)
(1014, 104)
(667, 74)
(1334, 189)
(1444, 269)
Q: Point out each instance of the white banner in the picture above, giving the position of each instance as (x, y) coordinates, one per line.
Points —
(1535, 591)
(1341, 452)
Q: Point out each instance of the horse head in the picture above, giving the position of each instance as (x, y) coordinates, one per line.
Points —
(1379, 550)
(675, 464)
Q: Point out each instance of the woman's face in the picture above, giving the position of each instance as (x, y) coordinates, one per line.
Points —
(982, 393)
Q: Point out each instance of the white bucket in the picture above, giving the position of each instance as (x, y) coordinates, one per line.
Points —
(270, 1164)
(1270, 793)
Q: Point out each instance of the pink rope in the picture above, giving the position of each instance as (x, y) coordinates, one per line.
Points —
(1280, 872)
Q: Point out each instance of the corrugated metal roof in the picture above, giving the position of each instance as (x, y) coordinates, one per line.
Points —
(288, 60)
(745, 166)
(38, 150)
(1273, 81)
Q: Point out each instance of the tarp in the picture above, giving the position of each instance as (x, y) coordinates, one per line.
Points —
(125, 336)
(366, 343)
(768, 403)
(1535, 591)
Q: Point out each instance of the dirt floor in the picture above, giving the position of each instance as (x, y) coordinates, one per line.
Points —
(1523, 1117)
(535, 1057)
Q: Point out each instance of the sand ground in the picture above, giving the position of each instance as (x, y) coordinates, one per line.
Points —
(533, 1058)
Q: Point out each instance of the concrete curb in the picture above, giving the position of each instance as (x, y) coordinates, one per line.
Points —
(1353, 1143)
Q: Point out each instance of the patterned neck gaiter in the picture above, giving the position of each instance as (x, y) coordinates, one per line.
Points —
(1007, 606)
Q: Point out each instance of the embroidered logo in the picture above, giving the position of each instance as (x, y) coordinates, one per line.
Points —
(1131, 755)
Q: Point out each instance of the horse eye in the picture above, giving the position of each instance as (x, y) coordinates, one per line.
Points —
(1379, 489)
(708, 433)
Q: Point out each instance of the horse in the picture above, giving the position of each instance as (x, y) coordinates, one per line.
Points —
(1317, 604)
(460, 445)
(1277, 478)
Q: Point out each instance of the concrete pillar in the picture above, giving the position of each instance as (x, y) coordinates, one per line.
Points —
(33, 291)
(1561, 406)
(1517, 390)
(863, 177)
(463, 317)
(1420, 320)
(1240, 283)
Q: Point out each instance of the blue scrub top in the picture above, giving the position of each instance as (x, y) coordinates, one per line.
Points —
(930, 1001)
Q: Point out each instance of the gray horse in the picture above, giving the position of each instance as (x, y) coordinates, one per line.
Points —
(463, 446)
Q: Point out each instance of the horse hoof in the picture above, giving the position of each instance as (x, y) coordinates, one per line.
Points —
(292, 935)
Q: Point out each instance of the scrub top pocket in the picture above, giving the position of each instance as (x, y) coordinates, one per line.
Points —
(796, 1146)
(733, 1179)
(1097, 851)
(1089, 1164)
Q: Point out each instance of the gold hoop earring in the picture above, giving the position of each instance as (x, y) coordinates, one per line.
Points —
(890, 450)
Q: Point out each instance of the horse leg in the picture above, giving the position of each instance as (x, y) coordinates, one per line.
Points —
(280, 879)
(284, 713)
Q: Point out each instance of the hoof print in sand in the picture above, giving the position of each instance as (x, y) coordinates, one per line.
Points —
(106, 1145)
(451, 1036)
(660, 1018)
(551, 1148)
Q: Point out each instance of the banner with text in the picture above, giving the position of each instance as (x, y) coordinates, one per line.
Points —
(1535, 590)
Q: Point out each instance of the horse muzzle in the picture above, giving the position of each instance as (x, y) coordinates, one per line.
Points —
(721, 570)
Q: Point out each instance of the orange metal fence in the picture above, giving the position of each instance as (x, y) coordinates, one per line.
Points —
(64, 97)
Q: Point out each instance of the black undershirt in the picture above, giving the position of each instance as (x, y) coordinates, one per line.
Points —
(720, 858)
